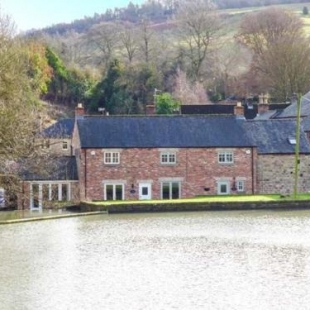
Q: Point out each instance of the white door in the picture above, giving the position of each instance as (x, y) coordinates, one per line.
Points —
(223, 188)
(145, 191)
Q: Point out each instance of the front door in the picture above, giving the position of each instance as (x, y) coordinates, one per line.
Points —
(145, 191)
(223, 188)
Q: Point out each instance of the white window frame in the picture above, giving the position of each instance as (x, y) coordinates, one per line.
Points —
(46, 144)
(240, 185)
(111, 158)
(113, 184)
(225, 157)
(168, 158)
(65, 145)
(49, 186)
(225, 183)
(170, 182)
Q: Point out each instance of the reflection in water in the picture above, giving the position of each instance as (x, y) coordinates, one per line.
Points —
(203, 260)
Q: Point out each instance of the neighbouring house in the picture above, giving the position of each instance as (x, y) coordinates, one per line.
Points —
(291, 110)
(56, 139)
(276, 142)
(57, 185)
(56, 180)
(162, 157)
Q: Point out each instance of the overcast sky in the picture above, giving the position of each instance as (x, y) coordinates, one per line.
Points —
(29, 14)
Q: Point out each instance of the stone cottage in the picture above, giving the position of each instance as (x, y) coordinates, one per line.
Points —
(276, 141)
(58, 183)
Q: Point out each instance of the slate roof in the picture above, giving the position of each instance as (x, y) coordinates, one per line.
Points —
(207, 109)
(60, 168)
(291, 110)
(266, 115)
(250, 111)
(61, 129)
(161, 132)
(272, 136)
(306, 123)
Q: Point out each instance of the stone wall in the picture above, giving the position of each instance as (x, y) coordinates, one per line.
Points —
(57, 147)
(197, 169)
(173, 206)
(275, 174)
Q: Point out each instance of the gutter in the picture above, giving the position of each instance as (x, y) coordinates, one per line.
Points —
(253, 183)
(85, 174)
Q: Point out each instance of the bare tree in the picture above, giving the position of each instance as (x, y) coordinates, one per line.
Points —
(199, 31)
(281, 51)
(128, 38)
(104, 37)
(230, 63)
(146, 35)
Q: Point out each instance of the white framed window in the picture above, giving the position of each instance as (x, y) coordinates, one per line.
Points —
(171, 190)
(111, 158)
(168, 158)
(46, 144)
(114, 191)
(240, 185)
(42, 193)
(225, 157)
(64, 145)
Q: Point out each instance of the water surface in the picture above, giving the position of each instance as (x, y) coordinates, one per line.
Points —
(202, 260)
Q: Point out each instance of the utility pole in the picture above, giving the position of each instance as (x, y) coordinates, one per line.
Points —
(297, 146)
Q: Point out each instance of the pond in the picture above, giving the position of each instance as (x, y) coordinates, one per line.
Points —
(27, 214)
(200, 260)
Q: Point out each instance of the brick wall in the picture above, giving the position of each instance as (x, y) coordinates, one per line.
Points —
(197, 169)
(276, 174)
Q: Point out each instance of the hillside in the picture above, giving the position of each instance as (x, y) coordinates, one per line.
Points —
(120, 64)
(157, 13)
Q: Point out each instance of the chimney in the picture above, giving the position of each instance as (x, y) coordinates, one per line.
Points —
(239, 110)
(263, 104)
(79, 111)
(150, 109)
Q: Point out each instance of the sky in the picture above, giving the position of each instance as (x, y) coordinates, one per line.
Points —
(35, 14)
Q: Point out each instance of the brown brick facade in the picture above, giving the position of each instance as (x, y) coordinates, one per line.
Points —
(196, 169)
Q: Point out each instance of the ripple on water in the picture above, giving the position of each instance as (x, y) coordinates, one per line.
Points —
(203, 260)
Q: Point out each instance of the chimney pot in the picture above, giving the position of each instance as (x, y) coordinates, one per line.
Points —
(79, 110)
(239, 110)
(150, 109)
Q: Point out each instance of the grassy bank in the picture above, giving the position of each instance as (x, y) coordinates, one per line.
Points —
(209, 203)
(210, 199)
